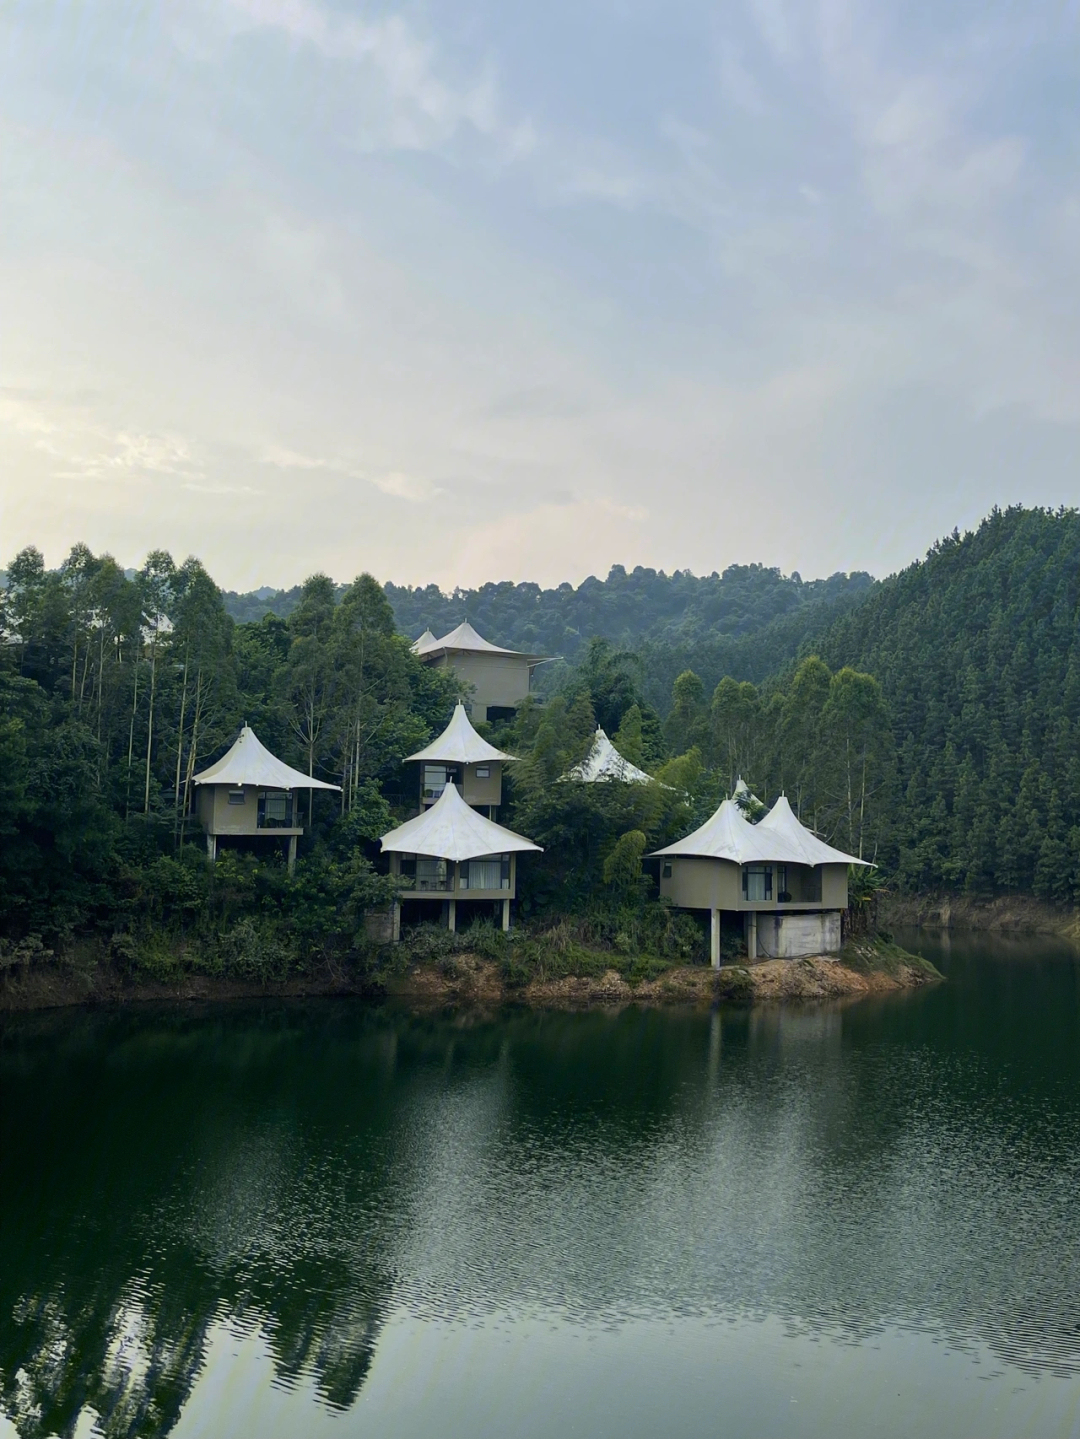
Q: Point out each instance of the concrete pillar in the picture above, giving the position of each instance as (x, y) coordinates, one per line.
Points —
(211, 847)
(751, 936)
(292, 854)
(395, 921)
(451, 917)
(714, 938)
(505, 915)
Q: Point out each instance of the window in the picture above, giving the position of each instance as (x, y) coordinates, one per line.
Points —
(236, 796)
(490, 872)
(434, 779)
(483, 771)
(666, 871)
(275, 808)
(783, 895)
(430, 873)
(757, 883)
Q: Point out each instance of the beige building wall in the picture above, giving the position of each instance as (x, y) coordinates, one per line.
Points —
(501, 680)
(218, 816)
(696, 883)
(834, 886)
(475, 789)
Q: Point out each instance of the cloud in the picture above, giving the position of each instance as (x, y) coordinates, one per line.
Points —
(395, 483)
(419, 107)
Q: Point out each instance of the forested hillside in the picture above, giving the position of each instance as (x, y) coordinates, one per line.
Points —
(931, 722)
(977, 650)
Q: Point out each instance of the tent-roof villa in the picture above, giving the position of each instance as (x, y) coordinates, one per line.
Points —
(499, 678)
(788, 886)
(249, 792)
(450, 852)
(462, 757)
(604, 764)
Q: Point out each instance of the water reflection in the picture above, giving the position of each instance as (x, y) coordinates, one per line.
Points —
(307, 1172)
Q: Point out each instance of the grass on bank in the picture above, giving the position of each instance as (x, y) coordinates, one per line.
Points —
(881, 955)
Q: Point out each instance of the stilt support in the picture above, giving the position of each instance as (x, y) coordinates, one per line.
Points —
(714, 938)
(211, 847)
(751, 936)
(505, 915)
(395, 921)
(451, 918)
(292, 854)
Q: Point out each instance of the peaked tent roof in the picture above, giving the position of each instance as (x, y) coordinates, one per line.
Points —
(604, 763)
(460, 744)
(781, 821)
(450, 829)
(728, 835)
(427, 638)
(249, 762)
(466, 640)
(744, 796)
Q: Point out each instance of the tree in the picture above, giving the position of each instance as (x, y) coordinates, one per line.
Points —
(311, 669)
(685, 724)
(855, 728)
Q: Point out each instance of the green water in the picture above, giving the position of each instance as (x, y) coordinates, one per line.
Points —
(295, 1219)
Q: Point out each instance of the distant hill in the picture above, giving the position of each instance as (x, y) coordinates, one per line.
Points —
(746, 621)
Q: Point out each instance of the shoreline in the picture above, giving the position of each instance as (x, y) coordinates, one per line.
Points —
(869, 967)
(1004, 914)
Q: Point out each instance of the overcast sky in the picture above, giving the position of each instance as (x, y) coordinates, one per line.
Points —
(475, 290)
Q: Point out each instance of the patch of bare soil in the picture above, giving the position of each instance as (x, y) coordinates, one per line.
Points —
(769, 981)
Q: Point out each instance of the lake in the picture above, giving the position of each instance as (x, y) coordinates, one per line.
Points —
(325, 1217)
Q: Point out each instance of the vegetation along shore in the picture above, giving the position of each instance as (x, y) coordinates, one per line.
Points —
(928, 723)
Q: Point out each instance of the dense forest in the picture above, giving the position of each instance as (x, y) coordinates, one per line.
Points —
(745, 622)
(929, 722)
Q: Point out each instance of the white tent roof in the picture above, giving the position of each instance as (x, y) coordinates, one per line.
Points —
(460, 744)
(450, 829)
(427, 638)
(728, 835)
(249, 762)
(781, 822)
(743, 795)
(604, 762)
(466, 639)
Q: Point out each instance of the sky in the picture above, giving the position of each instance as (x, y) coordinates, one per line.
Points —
(475, 291)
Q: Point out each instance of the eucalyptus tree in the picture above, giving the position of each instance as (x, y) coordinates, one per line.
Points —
(374, 718)
(310, 671)
(737, 740)
(200, 646)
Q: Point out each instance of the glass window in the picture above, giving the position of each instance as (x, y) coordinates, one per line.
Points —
(430, 873)
(483, 874)
(276, 807)
(236, 796)
(435, 778)
(667, 869)
(757, 883)
(483, 771)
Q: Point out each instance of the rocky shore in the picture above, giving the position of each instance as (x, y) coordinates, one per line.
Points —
(873, 967)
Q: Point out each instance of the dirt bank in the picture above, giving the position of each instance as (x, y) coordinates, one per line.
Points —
(863, 970)
(1018, 914)
(470, 979)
